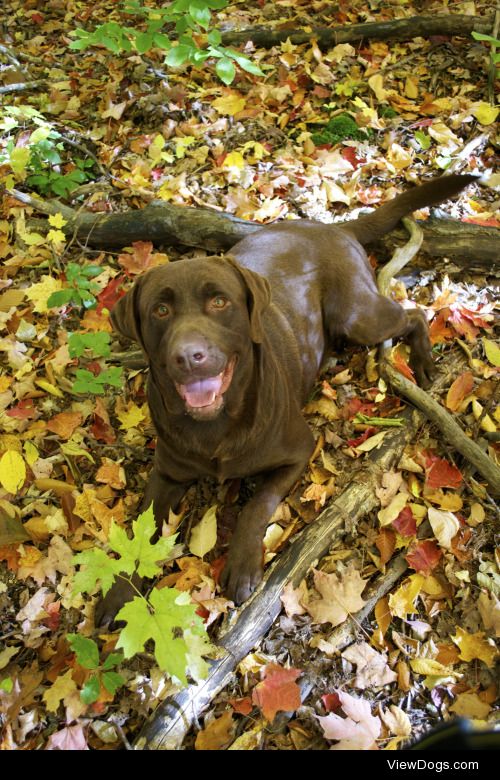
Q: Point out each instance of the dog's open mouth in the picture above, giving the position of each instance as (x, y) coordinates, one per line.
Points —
(204, 397)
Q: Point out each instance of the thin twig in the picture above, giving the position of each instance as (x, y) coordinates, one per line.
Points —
(22, 86)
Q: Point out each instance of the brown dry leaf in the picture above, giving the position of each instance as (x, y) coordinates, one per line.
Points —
(382, 614)
(385, 542)
(489, 608)
(218, 734)
(112, 474)
(372, 669)
(340, 596)
(292, 597)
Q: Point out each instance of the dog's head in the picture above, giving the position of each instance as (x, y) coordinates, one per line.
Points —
(196, 320)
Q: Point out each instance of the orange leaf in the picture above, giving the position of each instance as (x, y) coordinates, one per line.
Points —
(386, 542)
(278, 691)
(402, 366)
(424, 556)
(438, 330)
(383, 614)
(460, 389)
(242, 706)
(65, 423)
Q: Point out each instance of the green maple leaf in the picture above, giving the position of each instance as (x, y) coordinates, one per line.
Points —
(98, 568)
(170, 620)
(86, 650)
(138, 552)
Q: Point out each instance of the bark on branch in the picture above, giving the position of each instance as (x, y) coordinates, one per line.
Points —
(396, 30)
(164, 223)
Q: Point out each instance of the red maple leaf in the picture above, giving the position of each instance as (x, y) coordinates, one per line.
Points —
(355, 406)
(111, 294)
(405, 523)
(244, 706)
(442, 474)
(424, 556)
(278, 691)
(24, 410)
(364, 436)
(331, 702)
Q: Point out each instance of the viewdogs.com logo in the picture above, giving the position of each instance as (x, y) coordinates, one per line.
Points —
(436, 766)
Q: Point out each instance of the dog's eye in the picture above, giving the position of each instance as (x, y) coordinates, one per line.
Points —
(219, 302)
(162, 310)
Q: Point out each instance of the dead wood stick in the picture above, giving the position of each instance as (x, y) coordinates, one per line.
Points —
(165, 223)
(396, 30)
(171, 721)
(422, 400)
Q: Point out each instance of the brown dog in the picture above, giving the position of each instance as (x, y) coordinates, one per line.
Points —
(234, 345)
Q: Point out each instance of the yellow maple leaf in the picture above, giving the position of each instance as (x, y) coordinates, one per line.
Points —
(234, 160)
(181, 144)
(39, 293)
(473, 646)
(401, 603)
(57, 220)
(131, 416)
(12, 471)
(230, 104)
(56, 236)
(63, 687)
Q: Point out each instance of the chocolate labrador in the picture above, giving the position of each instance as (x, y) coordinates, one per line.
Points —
(234, 345)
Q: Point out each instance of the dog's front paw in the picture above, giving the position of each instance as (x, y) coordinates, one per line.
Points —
(110, 604)
(424, 370)
(242, 572)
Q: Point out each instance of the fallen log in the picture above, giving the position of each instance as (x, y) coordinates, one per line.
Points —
(468, 244)
(395, 30)
(173, 718)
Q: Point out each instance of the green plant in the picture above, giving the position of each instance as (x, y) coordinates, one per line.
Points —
(97, 342)
(39, 159)
(81, 287)
(180, 28)
(495, 42)
(165, 616)
(87, 382)
(87, 655)
(337, 129)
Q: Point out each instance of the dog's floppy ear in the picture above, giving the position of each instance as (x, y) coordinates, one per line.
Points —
(258, 297)
(125, 314)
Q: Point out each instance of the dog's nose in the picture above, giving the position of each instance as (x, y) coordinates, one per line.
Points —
(191, 355)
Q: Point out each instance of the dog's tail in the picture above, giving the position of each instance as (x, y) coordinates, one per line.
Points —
(371, 226)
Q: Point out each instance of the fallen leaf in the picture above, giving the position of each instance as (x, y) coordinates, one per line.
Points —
(218, 734)
(292, 597)
(442, 474)
(372, 668)
(340, 596)
(204, 535)
(69, 738)
(396, 720)
(469, 705)
(444, 526)
(278, 691)
(459, 390)
(12, 471)
(424, 556)
(358, 731)
(402, 602)
(474, 646)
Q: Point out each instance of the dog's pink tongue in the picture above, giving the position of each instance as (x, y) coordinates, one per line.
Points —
(202, 392)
